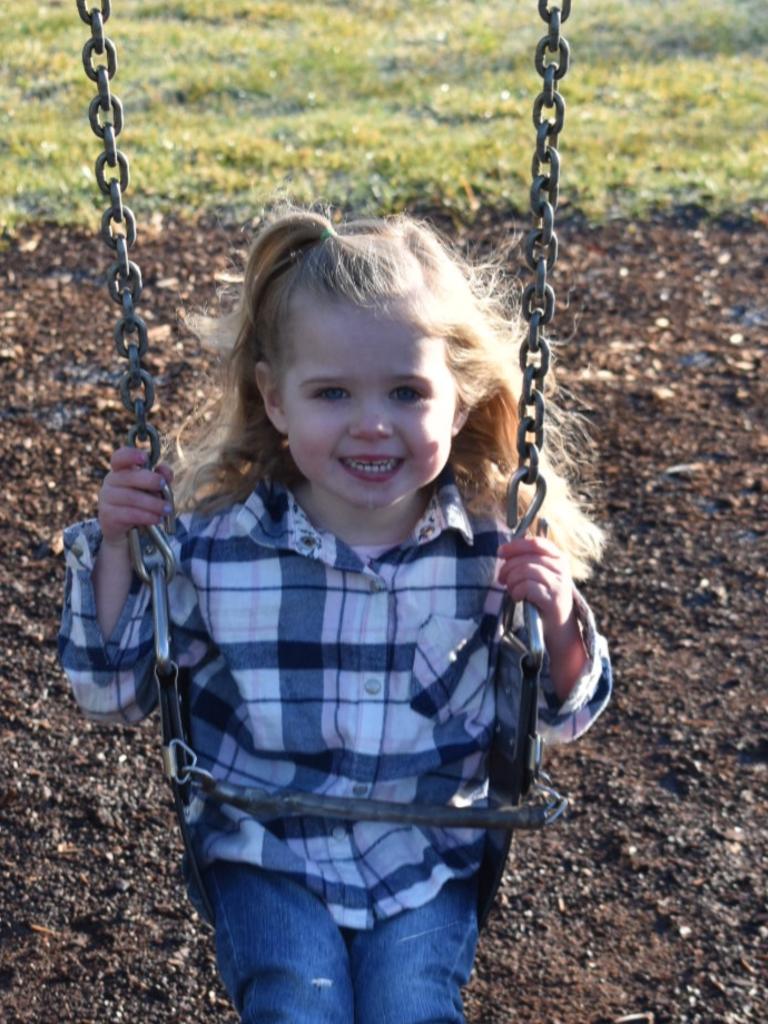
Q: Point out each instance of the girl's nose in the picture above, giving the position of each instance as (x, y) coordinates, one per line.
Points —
(370, 421)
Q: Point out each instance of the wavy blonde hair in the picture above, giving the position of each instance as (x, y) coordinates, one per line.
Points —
(396, 266)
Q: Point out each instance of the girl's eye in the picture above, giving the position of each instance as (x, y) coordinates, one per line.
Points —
(407, 394)
(332, 394)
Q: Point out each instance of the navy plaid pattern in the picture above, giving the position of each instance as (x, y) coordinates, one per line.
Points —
(314, 668)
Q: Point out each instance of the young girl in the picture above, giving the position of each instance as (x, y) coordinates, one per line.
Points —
(342, 561)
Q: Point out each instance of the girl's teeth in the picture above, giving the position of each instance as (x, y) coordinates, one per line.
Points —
(372, 467)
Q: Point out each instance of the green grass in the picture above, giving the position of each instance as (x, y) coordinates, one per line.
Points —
(382, 104)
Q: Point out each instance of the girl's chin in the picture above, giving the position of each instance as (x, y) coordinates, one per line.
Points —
(361, 512)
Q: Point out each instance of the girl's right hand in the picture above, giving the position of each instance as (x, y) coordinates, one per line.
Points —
(131, 494)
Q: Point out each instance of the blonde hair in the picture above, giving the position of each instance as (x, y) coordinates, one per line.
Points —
(392, 265)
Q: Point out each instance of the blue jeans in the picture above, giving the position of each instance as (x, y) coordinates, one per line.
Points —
(283, 959)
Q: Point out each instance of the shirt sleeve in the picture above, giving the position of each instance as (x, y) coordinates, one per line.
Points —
(564, 722)
(111, 677)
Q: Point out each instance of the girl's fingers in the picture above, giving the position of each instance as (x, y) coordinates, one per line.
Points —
(116, 496)
(515, 568)
(117, 519)
(535, 570)
(551, 561)
(128, 458)
(532, 576)
(135, 479)
(165, 472)
(115, 527)
(534, 593)
(132, 494)
(529, 546)
(551, 592)
(517, 555)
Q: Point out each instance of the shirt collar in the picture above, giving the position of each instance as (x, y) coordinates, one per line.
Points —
(273, 517)
(445, 511)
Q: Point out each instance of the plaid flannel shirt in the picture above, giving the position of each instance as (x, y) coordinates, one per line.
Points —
(314, 669)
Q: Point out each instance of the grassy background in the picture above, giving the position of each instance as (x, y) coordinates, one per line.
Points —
(381, 104)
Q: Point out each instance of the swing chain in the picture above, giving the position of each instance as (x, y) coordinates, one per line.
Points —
(151, 553)
(541, 250)
(118, 226)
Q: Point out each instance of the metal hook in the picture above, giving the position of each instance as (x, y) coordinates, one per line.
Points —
(172, 762)
(169, 519)
(521, 524)
(556, 804)
(146, 557)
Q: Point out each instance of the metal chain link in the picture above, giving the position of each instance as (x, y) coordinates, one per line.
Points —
(118, 227)
(541, 250)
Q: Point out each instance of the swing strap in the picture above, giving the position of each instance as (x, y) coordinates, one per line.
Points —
(182, 768)
(172, 725)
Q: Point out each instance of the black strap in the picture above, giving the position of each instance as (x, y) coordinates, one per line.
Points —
(174, 726)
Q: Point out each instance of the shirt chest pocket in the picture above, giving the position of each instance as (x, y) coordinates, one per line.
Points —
(450, 667)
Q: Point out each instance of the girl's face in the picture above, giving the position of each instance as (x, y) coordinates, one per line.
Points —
(369, 408)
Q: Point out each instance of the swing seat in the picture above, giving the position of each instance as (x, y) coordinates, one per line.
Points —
(514, 767)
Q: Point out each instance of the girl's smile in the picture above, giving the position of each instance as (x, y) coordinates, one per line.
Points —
(371, 468)
(369, 407)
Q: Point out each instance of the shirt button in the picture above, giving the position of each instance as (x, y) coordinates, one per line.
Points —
(372, 685)
(339, 834)
(360, 789)
(377, 586)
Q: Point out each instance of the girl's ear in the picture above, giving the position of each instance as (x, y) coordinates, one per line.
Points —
(459, 419)
(268, 386)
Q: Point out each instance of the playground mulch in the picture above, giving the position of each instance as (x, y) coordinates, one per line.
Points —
(647, 904)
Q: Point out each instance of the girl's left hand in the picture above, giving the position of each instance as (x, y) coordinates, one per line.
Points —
(536, 570)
